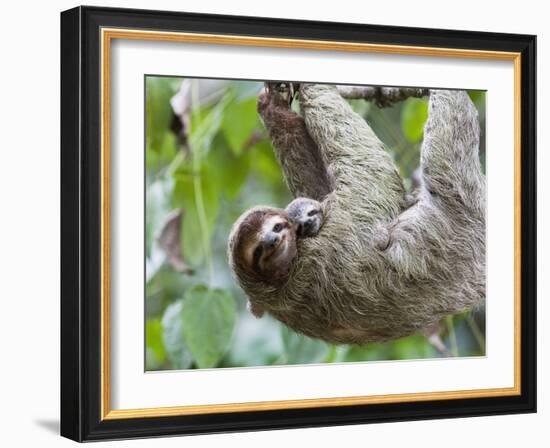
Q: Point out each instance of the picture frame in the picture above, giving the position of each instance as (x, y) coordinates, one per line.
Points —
(86, 208)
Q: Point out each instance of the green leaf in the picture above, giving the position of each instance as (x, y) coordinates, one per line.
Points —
(360, 106)
(158, 92)
(300, 349)
(155, 353)
(413, 117)
(173, 337)
(185, 196)
(412, 347)
(227, 169)
(477, 97)
(370, 352)
(208, 322)
(255, 342)
(239, 121)
(265, 163)
(205, 125)
(164, 288)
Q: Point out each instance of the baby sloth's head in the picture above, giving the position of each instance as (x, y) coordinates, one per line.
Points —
(307, 215)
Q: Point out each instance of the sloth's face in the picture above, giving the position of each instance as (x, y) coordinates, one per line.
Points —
(307, 215)
(263, 245)
(274, 246)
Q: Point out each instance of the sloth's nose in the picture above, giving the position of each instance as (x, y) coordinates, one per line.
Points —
(309, 224)
(271, 239)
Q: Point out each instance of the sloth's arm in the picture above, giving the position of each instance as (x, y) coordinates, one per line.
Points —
(303, 167)
(450, 152)
(364, 173)
(340, 133)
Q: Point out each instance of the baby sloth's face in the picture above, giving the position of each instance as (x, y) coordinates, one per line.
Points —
(273, 248)
(307, 215)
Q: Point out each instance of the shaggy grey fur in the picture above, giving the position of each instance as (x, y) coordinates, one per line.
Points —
(379, 269)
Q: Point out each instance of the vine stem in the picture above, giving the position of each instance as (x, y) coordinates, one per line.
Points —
(196, 152)
(331, 355)
(452, 336)
(480, 339)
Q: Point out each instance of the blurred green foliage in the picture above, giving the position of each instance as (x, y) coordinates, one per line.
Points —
(214, 169)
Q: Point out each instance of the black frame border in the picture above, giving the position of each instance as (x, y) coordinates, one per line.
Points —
(81, 223)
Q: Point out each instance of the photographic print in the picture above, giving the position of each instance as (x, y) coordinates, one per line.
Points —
(291, 223)
(304, 205)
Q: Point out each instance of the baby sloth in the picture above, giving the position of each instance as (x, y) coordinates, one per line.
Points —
(267, 238)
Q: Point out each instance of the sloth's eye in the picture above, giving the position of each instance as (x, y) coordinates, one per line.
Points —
(313, 212)
(277, 227)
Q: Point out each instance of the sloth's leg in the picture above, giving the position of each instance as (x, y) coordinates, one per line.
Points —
(303, 167)
(448, 220)
(363, 170)
(450, 162)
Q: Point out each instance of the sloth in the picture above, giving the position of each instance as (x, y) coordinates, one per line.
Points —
(381, 266)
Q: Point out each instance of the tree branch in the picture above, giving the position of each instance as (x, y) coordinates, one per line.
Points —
(381, 96)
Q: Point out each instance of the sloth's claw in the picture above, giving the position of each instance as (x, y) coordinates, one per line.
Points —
(284, 90)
